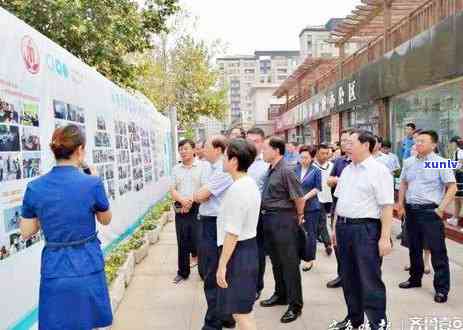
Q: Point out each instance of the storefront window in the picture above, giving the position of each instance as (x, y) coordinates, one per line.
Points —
(436, 108)
(325, 130)
(362, 117)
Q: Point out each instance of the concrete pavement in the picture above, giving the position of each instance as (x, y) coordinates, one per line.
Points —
(153, 302)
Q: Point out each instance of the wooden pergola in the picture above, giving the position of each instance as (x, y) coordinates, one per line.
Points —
(306, 73)
(297, 87)
(371, 19)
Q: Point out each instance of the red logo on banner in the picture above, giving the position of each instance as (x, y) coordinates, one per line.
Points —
(30, 54)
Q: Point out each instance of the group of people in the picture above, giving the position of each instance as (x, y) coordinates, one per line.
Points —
(245, 197)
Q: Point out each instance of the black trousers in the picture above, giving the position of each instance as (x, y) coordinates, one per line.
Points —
(281, 243)
(261, 255)
(364, 289)
(311, 227)
(186, 227)
(425, 225)
(209, 256)
(322, 229)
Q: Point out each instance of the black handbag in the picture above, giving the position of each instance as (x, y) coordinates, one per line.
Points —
(306, 250)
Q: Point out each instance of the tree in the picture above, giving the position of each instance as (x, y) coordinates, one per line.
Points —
(179, 72)
(100, 32)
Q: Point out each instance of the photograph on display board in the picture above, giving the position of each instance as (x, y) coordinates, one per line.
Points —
(75, 114)
(17, 244)
(100, 123)
(11, 218)
(10, 167)
(123, 172)
(9, 138)
(102, 140)
(101, 171)
(100, 156)
(30, 139)
(111, 157)
(30, 115)
(8, 113)
(125, 186)
(31, 165)
(139, 184)
(111, 189)
(60, 109)
(109, 172)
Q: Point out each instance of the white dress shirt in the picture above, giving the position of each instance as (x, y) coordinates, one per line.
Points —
(363, 190)
(239, 210)
(324, 196)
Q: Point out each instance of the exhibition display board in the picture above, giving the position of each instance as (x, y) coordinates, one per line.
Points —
(43, 86)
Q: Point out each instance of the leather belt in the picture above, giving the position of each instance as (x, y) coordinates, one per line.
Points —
(357, 221)
(421, 206)
(72, 243)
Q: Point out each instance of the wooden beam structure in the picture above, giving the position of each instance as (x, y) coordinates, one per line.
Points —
(372, 18)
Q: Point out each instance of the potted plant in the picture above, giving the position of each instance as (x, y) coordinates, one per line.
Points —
(115, 278)
(151, 230)
(139, 246)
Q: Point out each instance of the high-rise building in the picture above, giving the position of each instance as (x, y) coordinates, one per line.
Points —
(241, 73)
(313, 41)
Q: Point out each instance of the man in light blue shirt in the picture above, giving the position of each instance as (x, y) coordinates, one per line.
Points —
(391, 159)
(210, 196)
(258, 172)
(408, 141)
(424, 195)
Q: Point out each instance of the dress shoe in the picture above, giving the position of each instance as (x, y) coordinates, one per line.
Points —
(273, 301)
(409, 285)
(229, 324)
(178, 279)
(291, 315)
(440, 298)
(336, 283)
(345, 325)
(307, 268)
(329, 250)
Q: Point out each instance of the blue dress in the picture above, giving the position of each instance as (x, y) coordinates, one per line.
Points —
(73, 290)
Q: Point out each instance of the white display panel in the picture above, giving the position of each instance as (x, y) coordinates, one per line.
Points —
(42, 86)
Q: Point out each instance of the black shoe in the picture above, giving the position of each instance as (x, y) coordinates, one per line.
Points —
(329, 250)
(409, 285)
(291, 315)
(178, 279)
(273, 301)
(229, 324)
(258, 295)
(440, 298)
(399, 237)
(345, 325)
(336, 283)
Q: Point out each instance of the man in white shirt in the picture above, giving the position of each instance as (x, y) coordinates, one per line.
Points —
(257, 171)
(324, 196)
(210, 195)
(186, 179)
(236, 237)
(363, 230)
(391, 162)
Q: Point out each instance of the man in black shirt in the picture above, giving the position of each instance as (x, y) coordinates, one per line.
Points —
(282, 211)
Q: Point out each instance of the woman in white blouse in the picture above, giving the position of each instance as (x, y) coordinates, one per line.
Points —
(236, 237)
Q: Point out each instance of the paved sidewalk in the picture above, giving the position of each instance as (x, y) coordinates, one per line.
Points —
(153, 302)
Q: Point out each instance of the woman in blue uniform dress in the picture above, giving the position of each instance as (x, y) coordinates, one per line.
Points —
(64, 204)
(311, 181)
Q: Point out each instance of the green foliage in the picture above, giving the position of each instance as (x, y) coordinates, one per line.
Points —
(179, 72)
(100, 32)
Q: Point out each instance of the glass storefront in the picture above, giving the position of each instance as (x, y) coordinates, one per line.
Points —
(324, 130)
(435, 108)
(362, 117)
